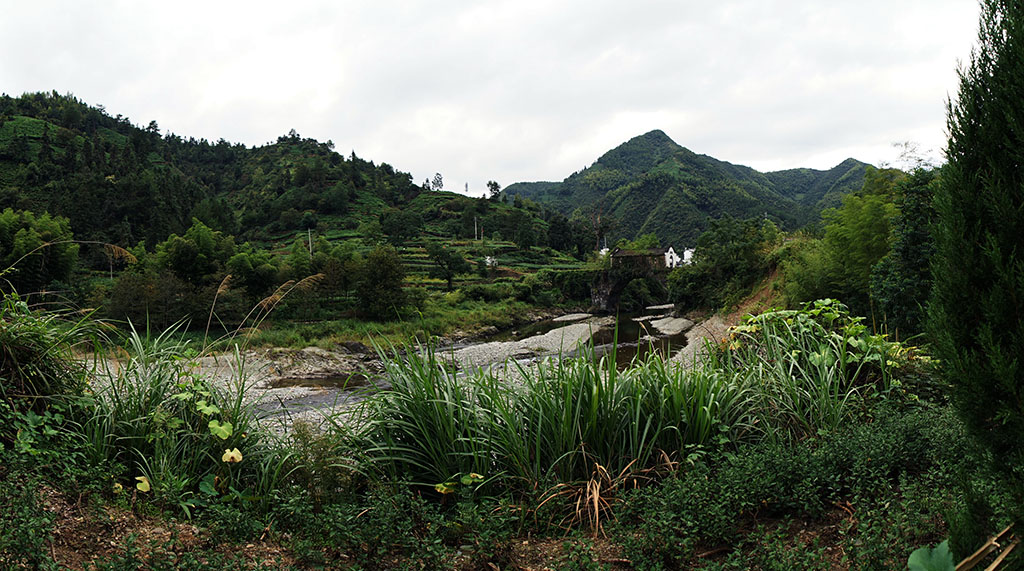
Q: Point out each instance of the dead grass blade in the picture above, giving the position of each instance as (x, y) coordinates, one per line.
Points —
(116, 252)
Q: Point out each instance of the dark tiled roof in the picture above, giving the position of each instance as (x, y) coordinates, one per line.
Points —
(617, 253)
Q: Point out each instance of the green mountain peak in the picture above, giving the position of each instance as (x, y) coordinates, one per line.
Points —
(651, 184)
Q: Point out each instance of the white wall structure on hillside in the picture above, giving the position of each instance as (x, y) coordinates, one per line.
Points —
(672, 259)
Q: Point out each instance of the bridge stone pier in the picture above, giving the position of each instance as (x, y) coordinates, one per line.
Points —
(625, 266)
(608, 286)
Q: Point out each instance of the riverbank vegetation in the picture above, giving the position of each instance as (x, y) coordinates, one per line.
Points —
(787, 444)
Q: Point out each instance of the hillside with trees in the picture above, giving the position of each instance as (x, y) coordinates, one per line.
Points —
(120, 183)
(650, 184)
(154, 227)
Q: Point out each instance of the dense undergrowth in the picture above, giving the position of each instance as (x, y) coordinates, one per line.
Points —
(803, 441)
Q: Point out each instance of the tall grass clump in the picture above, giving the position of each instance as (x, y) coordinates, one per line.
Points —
(696, 406)
(182, 438)
(811, 369)
(42, 374)
(571, 416)
(578, 414)
(37, 353)
(782, 376)
(567, 420)
(429, 425)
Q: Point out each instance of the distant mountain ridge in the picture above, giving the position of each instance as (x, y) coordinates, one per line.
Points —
(651, 184)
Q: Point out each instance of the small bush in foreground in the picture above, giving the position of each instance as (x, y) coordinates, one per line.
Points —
(36, 354)
(873, 466)
(181, 438)
(812, 369)
(26, 526)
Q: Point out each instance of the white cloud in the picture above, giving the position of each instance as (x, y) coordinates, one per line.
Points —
(510, 90)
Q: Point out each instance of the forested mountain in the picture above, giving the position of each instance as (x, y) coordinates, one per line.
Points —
(120, 183)
(650, 184)
(154, 228)
(819, 189)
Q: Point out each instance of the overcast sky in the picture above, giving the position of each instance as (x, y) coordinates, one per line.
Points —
(513, 90)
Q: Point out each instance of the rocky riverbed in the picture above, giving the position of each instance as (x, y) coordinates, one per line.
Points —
(287, 385)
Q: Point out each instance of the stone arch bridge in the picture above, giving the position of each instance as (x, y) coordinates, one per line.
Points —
(626, 266)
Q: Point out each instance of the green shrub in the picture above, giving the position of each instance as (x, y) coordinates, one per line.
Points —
(320, 463)
(771, 548)
(813, 369)
(229, 521)
(26, 526)
(488, 292)
(909, 459)
(389, 524)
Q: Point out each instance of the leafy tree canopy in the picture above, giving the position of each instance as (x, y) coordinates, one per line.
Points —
(34, 250)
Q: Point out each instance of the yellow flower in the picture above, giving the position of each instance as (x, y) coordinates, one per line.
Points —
(231, 456)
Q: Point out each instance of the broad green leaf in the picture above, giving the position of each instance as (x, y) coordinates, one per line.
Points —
(445, 488)
(932, 559)
(143, 484)
(205, 408)
(222, 431)
(208, 485)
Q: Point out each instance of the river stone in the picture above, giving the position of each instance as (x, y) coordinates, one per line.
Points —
(672, 325)
(308, 363)
(572, 317)
(356, 347)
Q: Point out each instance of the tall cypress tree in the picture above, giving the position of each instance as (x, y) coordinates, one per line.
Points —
(977, 309)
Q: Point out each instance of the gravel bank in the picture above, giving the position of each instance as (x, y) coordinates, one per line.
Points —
(560, 340)
(711, 329)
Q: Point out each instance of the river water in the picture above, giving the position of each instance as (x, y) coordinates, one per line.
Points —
(628, 335)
